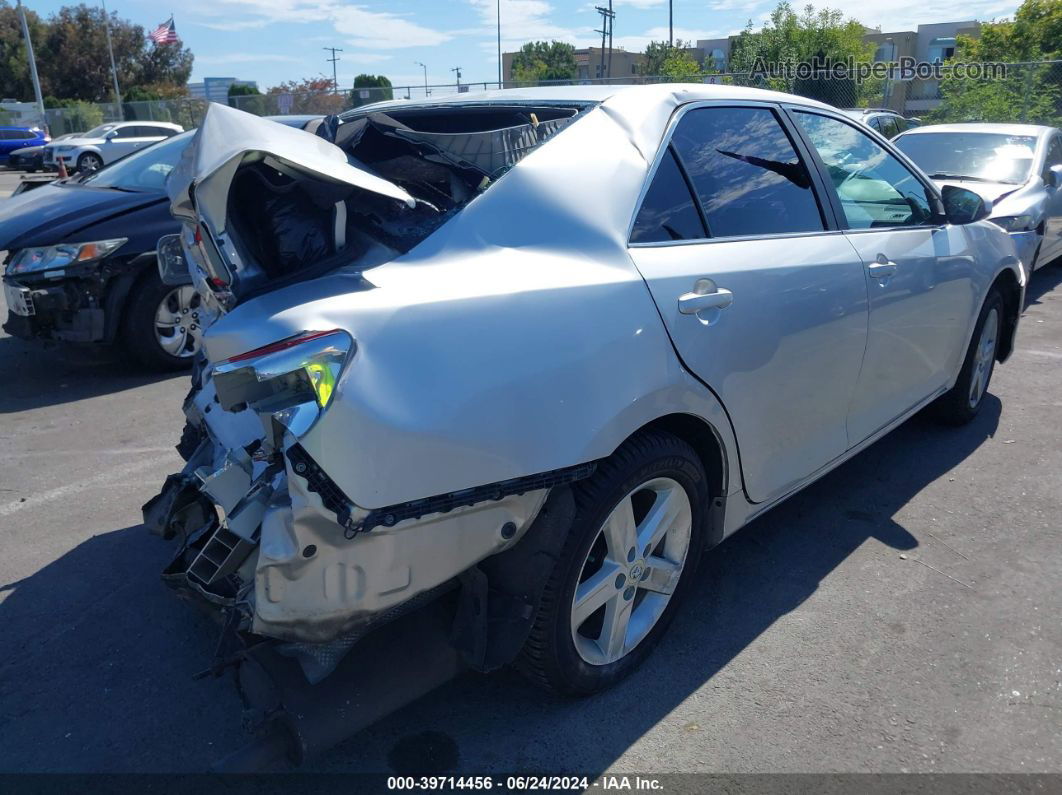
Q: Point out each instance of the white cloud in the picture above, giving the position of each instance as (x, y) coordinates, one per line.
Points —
(374, 30)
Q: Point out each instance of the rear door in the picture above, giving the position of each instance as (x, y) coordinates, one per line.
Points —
(764, 303)
(920, 273)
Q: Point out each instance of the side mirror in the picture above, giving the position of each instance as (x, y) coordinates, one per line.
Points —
(173, 270)
(109, 135)
(1054, 176)
(962, 206)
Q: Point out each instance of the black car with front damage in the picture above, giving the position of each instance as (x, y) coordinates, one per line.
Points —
(80, 264)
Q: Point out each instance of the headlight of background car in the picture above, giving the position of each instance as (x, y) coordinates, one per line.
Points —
(54, 257)
(1014, 223)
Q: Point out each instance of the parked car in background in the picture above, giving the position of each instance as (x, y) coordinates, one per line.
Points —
(107, 143)
(81, 261)
(564, 309)
(31, 158)
(887, 122)
(12, 138)
(1015, 167)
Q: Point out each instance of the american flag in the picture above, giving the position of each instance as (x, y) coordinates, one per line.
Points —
(166, 33)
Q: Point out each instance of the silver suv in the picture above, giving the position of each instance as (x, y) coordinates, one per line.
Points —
(887, 122)
(543, 347)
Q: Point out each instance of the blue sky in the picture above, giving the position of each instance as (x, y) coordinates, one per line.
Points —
(275, 40)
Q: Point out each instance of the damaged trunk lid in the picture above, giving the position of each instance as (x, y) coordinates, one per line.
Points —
(264, 205)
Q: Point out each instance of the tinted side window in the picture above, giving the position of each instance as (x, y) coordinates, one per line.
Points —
(667, 212)
(7, 135)
(153, 132)
(746, 173)
(127, 132)
(888, 127)
(875, 189)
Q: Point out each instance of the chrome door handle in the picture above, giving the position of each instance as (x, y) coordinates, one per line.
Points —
(692, 303)
(882, 269)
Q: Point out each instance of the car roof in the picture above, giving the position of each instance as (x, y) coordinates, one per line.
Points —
(982, 127)
(23, 129)
(593, 94)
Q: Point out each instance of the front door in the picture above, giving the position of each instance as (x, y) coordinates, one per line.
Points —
(763, 304)
(1052, 243)
(919, 273)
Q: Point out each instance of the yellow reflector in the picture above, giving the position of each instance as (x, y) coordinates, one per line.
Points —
(323, 382)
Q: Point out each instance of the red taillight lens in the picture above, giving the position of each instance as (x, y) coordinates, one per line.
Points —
(273, 347)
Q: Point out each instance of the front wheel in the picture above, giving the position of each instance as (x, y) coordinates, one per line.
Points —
(89, 162)
(163, 325)
(960, 404)
(629, 561)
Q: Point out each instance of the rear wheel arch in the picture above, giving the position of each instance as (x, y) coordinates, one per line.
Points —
(1006, 283)
(708, 444)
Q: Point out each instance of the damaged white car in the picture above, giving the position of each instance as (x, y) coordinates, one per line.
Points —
(531, 352)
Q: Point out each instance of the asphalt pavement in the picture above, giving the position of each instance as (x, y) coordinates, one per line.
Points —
(902, 614)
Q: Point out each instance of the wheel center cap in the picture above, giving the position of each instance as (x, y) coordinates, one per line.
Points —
(637, 570)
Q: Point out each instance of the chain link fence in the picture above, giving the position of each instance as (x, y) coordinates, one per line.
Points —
(1020, 92)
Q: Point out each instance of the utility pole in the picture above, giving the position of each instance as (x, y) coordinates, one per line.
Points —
(33, 66)
(611, 21)
(458, 70)
(333, 59)
(670, 23)
(114, 69)
(499, 47)
(607, 15)
(427, 91)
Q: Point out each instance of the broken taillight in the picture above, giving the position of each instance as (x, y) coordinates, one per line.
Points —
(301, 369)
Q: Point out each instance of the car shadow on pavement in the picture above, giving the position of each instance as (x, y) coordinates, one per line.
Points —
(1042, 282)
(744, 586)
(35, 376)
(99, 664)
(99, 672)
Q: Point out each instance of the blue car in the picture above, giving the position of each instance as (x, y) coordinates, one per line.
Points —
(12, 138)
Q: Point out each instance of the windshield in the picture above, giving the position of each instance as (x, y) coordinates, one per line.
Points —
(144, 170)
(99, 132)
(991, 157)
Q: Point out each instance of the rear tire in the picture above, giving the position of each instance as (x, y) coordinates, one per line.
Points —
(141, 331)
(960, 404)
(579, 646)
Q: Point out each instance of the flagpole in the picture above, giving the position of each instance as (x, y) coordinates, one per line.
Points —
(114, 70)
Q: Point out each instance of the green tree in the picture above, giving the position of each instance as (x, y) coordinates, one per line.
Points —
(1030, 92)
(15, 79)
(658, 53)
(790, 38)
(72, 58)
(681, 67)
(539, 60)
(247, 98)
(379, 90)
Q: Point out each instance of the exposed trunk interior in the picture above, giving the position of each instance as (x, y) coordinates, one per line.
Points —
(288, 225)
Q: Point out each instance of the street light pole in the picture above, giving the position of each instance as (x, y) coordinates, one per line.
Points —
(33, 66)
(670, 23)
(499, 47)
(458, 70)
(427, 91)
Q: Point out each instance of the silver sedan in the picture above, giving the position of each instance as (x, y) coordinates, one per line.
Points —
(545, 346)
(1016, 167)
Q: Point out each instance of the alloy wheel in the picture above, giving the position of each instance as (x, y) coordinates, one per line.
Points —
(179, 322)
(631, 571)
(984, 358)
